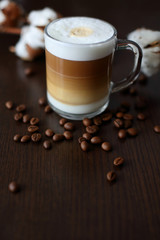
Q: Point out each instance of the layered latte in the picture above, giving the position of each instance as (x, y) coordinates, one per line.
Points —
(79, 52)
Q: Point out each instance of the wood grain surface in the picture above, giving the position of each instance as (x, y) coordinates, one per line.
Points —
(64, 191)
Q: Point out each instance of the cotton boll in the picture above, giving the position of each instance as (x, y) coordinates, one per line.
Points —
(149, 41)
(30, 44)
(42, 17)
(10, 13)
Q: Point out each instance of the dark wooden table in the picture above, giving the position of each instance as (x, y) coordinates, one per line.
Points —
(64, 192)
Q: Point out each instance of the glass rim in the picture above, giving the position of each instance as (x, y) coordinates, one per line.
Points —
(79, 44)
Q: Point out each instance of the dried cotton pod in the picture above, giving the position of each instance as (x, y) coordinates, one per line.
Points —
(149, 41)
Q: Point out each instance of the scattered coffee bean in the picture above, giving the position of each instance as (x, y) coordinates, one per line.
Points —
(81, 139)
(132, 132)
(58, 137)
(118, 161)
(96, 140)
(119, 114)
(26, 118)
(13, 187)
(18, 116)
(33, 129)
(49, 132)
(68, 135)
(25, 138)
(122, 133)
(47, 144)
(157, 128)
(87, 122)
(128, 116)
(69, 126)
(62, 121)
(106, 146)
(36, 137)
(111, 176)
(133, 91)
(142, 79)
(118, 123)
(21, 108)
(127, 124)
(107, 117)
(141, 116)
(97, 121)
(9, 104)
(125, 105)
(42, 101)
(87, 136)
(17, 138)
(29, 71)
(84, 146)
(92, 129)
(34, 121)
(48, 109)
(140, 103)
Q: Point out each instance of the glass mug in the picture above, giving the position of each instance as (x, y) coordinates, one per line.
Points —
(79, 54)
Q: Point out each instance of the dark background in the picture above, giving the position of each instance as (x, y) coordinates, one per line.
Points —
(64, 192)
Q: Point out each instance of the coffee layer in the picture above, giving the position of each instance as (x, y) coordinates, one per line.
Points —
(78, 83)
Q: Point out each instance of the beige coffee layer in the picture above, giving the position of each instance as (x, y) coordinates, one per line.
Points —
(77, 87)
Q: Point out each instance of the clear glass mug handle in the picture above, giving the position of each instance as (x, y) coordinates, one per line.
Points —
(135, 48)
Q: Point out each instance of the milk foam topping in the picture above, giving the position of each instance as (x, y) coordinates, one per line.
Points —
(80, 38)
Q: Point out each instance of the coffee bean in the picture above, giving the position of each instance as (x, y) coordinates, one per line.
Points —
(119, 114)
(62, 121)
(128, 116)
(140, 103)
(49, 132)
(125, 105)
(142, 79)
(69, 126)
(58, 137)
(141, 116)
(18, 116)
(21, 108)
(13, 187)
(87, 136)
(127, 124)
(68, 135)
(33, 129)
(81, 139)
(96, 140)
(111, 176)
(84, 146)
(36, 137)
(87, 122)
(34, 121)
(122, 133)
(9, 104)
(42, 101)
(28, 71)
(106, 146)
(92, 129)
(47, 144)
(106, 117)
(97, 121)
(157, 128)
(17, 138)
(47, 109)
(118, 161)
(25, 138)
(132, 132)
(26, 118)
(133, 91)
(118, 123)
